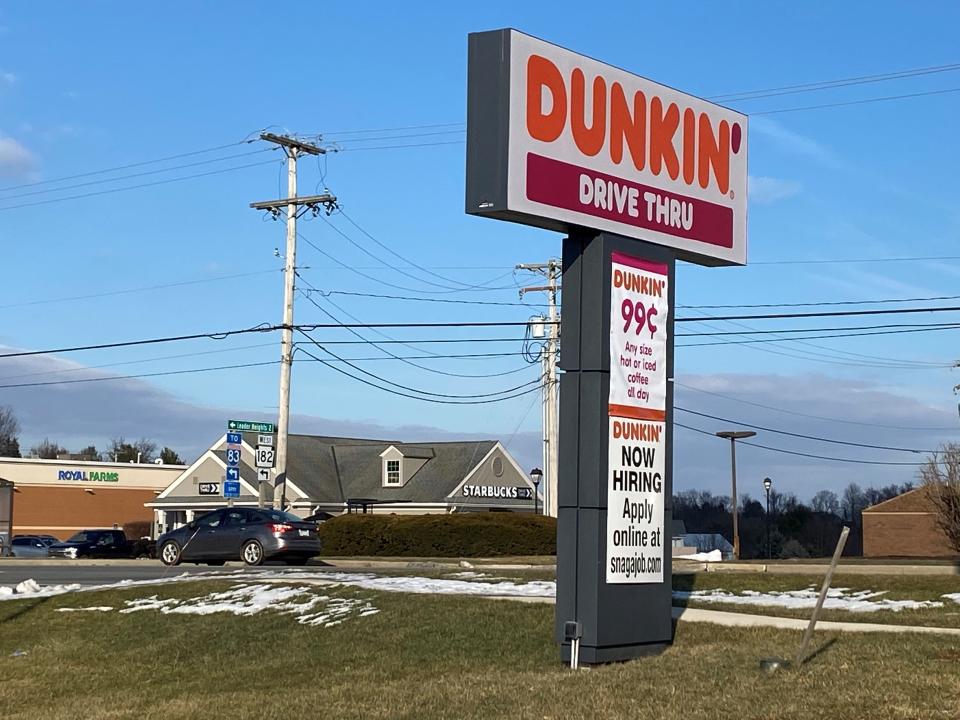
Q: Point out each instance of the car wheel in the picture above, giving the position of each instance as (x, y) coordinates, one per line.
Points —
(252, 553)
(170, 553)
(215, 563)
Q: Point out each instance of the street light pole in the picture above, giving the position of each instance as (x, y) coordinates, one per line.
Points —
(733, 436)
(767, 482)
(536, 475)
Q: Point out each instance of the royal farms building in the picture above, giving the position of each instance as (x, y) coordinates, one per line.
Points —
(337, 475)
(61, 497)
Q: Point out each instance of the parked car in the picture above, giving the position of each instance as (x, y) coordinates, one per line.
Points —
(251, 535)
(93, 544)
(33, 546)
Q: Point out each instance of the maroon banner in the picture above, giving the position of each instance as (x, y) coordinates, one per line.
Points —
(581, 190)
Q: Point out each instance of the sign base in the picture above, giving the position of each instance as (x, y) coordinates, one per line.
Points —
(630, 616)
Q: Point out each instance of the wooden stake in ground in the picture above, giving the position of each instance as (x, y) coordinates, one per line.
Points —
(808, 634)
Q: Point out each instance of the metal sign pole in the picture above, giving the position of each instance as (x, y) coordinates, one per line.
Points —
(630, 615)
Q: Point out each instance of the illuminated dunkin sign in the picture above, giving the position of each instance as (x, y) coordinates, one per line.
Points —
(559, 140)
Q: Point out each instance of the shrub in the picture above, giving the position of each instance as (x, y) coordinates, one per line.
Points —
(481, 534)
(137, 529)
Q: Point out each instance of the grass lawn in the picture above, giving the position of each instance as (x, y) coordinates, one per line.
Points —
(434, 657)
(897, 587)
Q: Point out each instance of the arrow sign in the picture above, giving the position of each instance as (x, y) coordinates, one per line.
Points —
(263, 475)
(233, 474)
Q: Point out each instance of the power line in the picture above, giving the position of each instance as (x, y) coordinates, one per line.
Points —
(411, 389)
(830, 84)
(801, 435)
(393, 129)
(139, 174)
(835, 261)
(87, 368)
(832, 313)
(884, 301)
(135, 187)
(397, 357)
(466, 286)
(440, 401)
(821, 337)
(378, 138)
(125, 167)
(803, 454)
(328, 293)
(150, 341)
(397, 147)
(857, 102)
(111, 378)
(111, 293)
(814, 417)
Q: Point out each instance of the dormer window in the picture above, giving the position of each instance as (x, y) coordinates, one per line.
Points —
(392, 473)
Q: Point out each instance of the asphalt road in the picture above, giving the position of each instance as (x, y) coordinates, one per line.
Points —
(16, 571)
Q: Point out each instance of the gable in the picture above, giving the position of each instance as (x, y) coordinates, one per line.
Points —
(912, 501)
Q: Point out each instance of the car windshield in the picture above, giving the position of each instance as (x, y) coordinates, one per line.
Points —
(85, 536)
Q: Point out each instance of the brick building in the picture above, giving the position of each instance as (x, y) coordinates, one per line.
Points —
(60, 497)
(904, 526)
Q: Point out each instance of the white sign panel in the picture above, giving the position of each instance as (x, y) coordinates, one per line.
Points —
(264, 439)
(265, 456)
(638, 338)
(639, 309)
(635, 502)
(590, 145)
(263, 475)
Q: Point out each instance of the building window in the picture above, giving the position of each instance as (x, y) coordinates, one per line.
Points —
(498, 466)
(393, 472)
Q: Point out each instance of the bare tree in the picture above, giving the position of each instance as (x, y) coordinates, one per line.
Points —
(9, 430)
(941, 478)
(47, 450)
(142, 450)
(826, 501)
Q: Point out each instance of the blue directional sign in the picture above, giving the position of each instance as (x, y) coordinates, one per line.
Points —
(234, 438)
(233, 457)
(231, 489)
(233, 474)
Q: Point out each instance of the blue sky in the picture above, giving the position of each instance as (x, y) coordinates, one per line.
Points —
(99, 85)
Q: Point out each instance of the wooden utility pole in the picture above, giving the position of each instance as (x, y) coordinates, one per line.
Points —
(551, 358)
(295, 206)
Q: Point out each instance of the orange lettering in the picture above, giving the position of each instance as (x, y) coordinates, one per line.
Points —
(714, 153)
(623, 126)
(689, 147)
(541, 73)
(662, 129)
(589, 140)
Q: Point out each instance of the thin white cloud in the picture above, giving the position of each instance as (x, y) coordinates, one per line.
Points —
(766, 190)
(796, 143)
(16, 162)
(7, 78)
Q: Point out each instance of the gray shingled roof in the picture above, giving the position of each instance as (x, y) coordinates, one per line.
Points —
(333, 470)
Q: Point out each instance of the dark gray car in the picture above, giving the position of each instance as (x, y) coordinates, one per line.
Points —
(248, 534)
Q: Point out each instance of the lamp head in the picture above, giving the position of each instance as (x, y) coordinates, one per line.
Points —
(767, 482)
(536, 475)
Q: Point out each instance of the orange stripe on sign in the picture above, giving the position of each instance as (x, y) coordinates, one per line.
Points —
(628, 411)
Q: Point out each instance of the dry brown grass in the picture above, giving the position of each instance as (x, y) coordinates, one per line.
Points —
(437, 657)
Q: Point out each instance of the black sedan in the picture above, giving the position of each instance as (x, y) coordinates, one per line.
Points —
(251, 535)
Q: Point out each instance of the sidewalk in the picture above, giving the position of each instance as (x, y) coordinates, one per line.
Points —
(732, 619)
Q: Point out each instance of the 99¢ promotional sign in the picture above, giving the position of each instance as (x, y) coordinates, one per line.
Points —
(639, 306)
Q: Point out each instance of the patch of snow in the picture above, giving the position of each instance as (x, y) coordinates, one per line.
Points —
(95, 608)
(441, 586)
(32, 589)
(864, 601)
(308, 607)
(953, 596)
(712, 556)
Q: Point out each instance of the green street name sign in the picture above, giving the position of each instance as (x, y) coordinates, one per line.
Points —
(249, 426)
